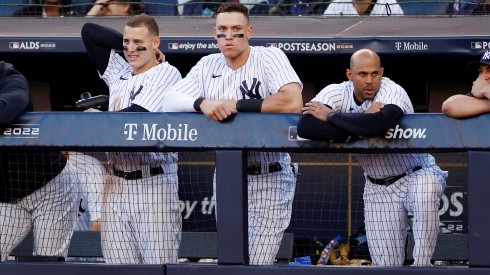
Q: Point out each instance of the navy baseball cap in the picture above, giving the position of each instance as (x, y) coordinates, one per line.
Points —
(485, 59)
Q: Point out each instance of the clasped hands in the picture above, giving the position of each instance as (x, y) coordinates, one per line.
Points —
(219, 110)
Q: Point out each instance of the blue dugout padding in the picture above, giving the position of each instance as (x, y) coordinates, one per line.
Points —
(192, 131)
(230, 139)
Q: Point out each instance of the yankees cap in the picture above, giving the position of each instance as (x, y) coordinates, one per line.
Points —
(485, 59)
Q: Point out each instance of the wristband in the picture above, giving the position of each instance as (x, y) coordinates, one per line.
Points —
(197, 104)
(249, 105)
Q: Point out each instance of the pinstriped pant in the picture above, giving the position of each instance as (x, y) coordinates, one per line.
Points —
(386, 212)
(50, 212)
(141, 222)
(270, 203)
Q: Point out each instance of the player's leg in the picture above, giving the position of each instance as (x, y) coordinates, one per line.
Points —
(55, 207)
(117, 237)
(161, 222)
(270, 199)
(425, 190)
(15, 225)
(385, 221)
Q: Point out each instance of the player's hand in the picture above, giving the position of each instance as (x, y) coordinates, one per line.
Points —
(216, 110)
(316, 109)
(374, 108)
(96, 225)
(160, 56)
(481, 88)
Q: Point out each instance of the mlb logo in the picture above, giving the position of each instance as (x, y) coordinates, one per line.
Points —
(476, 45)
(173, 46)
(271, 45)
(14, 45)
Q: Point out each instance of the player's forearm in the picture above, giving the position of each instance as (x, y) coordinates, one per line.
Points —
(99, 41)
(312, 128)
(368, 125)
(283, 102)
(96, 10)
(463, 106)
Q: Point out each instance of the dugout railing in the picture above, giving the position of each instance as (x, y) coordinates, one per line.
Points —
(230, 140)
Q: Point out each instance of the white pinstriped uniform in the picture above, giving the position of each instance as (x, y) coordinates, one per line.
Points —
(49, 212)
(91, 173)
(386, 207)
(142, 222)
(270, 196)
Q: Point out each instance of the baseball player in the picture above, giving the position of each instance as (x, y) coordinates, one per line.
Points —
(38, 190)
(141, 222)
(248, 79)
(478, 100)
(367, 105)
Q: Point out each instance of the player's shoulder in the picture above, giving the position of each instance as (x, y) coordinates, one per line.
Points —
(387, 83)
(266, 50)
(333, 90)
(166, 69)
(211, 60)
(167, 66)
(337, 87)
(216, 57)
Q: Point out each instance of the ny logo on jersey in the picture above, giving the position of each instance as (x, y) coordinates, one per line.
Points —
(133, 95)
(253, 92)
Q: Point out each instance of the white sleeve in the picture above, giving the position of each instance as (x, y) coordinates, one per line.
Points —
(179, 102)
(182, 95)
(116, 67)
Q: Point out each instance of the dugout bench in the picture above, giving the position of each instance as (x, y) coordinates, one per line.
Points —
(193, 246)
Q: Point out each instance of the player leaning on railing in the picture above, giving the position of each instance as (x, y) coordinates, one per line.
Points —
(244, 78)
(141, 222)
(367, 105)
(477, 101)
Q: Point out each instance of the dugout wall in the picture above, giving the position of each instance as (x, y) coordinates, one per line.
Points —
(441, 134)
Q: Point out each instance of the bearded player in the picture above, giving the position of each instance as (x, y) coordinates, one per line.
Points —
(243, 78)
(368, 105)
(141, 222)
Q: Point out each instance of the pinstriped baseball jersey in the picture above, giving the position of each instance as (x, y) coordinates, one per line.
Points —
(147, 90)
(341, 98)
(266, 71)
